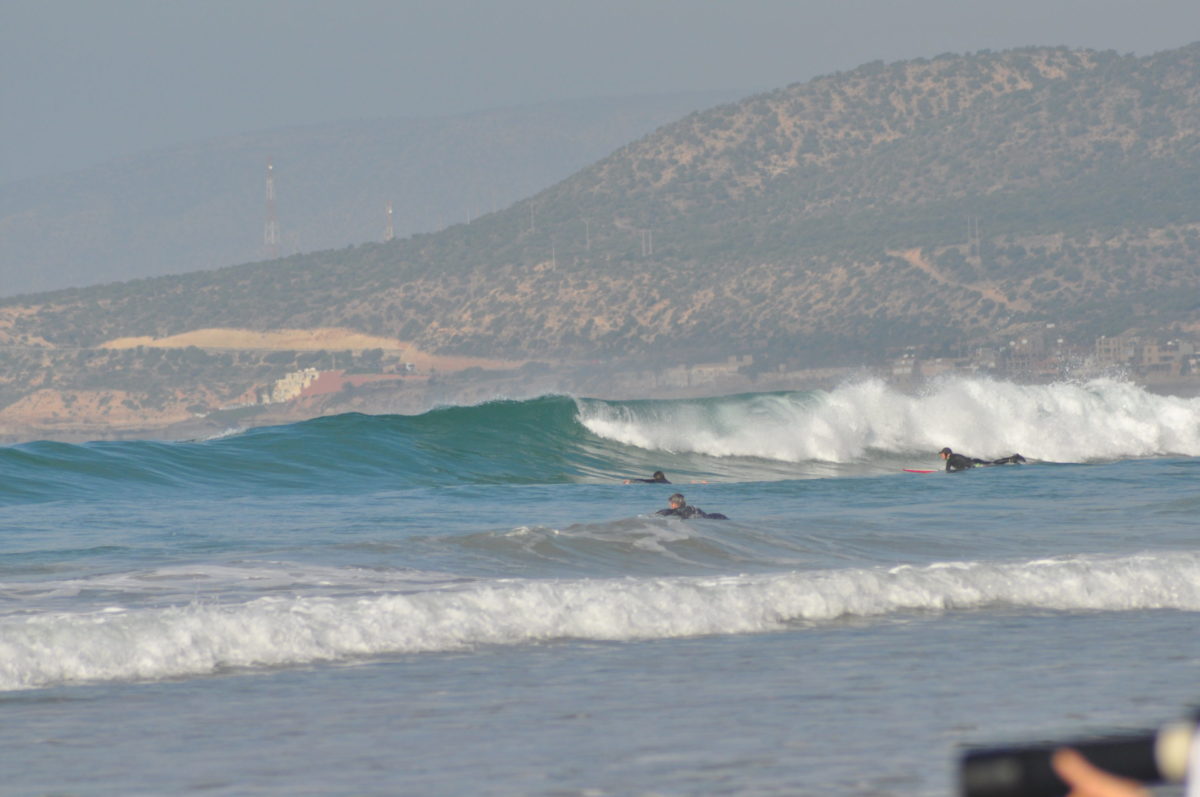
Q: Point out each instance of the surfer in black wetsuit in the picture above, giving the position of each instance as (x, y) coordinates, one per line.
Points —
(960, 462)
(658, 477)
(679, 508)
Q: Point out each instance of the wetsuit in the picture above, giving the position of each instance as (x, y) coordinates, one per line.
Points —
(687, 512)
(663, 480)
(960, 462)
(1015, 459)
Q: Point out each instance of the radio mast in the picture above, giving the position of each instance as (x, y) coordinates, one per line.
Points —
(271, 232)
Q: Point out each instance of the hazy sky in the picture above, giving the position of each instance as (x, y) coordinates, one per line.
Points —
(86, 81)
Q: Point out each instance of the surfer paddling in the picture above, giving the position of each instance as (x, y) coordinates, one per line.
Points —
(962, 462)
(658, 477)
(678, 507)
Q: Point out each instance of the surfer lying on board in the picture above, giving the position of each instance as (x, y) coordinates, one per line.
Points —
(961, 462)
(679, 508)
(658, 477)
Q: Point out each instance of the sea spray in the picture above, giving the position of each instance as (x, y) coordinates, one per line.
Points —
(1099, 420)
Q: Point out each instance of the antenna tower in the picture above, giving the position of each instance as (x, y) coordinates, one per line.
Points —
(390, 233)
(271, 232)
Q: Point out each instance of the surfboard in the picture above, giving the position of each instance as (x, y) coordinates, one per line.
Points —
(918, 470)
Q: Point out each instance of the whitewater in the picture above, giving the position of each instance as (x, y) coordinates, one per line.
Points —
(471, 600)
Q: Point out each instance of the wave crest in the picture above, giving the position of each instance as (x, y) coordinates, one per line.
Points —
(198, 639)
(1099, 420)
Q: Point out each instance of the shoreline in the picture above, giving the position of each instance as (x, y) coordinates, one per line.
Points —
(392, 399)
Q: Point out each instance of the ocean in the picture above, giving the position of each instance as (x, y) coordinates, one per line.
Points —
(471, 601)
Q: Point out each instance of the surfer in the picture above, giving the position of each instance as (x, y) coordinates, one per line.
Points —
(962, 462)
(658, 477)
(680, 508)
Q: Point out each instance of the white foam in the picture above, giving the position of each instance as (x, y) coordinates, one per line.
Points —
(200, 638)
(178, 583)
(1102, 419)
(229, 431)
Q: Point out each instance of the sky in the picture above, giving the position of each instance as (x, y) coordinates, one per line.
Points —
(85, 82)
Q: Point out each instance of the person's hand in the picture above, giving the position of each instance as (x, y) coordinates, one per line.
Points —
(1086, 780)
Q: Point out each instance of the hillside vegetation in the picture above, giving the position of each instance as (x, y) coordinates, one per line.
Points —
(935, 203)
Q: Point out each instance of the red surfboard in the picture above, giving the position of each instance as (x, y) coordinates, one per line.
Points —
(918, 470)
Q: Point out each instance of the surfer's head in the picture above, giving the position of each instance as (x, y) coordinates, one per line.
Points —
(659, 476)
(945, 452)
(676, 501)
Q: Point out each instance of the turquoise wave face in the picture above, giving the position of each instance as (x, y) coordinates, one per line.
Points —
(520, 442)
(864, 428)
(536, 441)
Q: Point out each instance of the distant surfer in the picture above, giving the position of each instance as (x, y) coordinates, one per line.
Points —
(658, 477)
(962, 462)
(680, 508)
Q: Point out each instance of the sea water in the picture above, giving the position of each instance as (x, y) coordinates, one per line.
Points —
(471, 601)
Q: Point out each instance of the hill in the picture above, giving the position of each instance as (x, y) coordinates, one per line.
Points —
(938, 203)
(202, 206)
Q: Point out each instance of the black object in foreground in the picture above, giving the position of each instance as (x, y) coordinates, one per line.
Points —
(1153, 757)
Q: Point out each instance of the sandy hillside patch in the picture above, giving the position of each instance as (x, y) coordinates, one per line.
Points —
(916, 259)
(322, 339)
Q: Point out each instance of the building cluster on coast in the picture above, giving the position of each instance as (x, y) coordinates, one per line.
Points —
(1042, 356)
